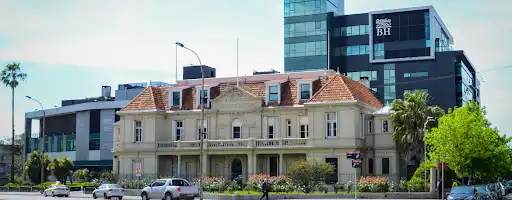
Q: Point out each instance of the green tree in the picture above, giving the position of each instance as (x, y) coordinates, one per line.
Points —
(11, 76)
(310, 174)
(33, 166)
(19, 159)
(465, 140)
(409, 116)
(61, 168)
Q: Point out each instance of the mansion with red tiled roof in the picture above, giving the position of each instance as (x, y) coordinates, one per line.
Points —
(258, 124)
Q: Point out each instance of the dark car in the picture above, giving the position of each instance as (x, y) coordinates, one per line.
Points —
(463, 193)
(495, 191)
(508, 185)
(484, 192)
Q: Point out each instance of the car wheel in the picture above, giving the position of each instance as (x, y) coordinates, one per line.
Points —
(144, 196)
(66, 195)
(94, 196)
(168, 196)
(120, 197)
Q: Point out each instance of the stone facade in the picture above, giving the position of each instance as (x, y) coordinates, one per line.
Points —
(245, 136)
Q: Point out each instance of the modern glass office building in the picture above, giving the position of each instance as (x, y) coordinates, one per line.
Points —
(399, 50)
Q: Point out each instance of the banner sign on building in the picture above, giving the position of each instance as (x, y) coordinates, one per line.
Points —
(383, 27)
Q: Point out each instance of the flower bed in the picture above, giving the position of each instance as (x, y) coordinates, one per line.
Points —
(373, 184)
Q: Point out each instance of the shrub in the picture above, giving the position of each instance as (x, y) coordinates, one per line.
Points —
(349, 186)
(417, 185)
(373, 184)
(338, 187)
(308, 175)
(133, 184)
(213, 184)
(275, 183)
(108, 176)
(81, 174)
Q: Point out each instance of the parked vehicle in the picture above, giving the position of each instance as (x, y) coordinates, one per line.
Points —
(170, 189)
(502, 189)
(508, 186)
(497, 193)
(108, 191)
(484, 192)
(463, 192)
(57, 190)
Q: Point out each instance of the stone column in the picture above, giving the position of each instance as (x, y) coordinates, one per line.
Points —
(205, 164)
(281, 160)
(251, 165)
(179, 175)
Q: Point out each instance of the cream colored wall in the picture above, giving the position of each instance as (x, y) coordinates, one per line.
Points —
(148, 163)
(127, 124)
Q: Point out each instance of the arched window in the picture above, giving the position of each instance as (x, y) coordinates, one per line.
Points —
(236, 128)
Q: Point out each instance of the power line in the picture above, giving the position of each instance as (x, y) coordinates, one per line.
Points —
(441, 77)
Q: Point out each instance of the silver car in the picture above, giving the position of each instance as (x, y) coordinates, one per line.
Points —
(108, 191)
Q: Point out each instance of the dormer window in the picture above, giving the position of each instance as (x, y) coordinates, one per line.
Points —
(304, 89)
(175, 97)
(202, 95)
(273, 93)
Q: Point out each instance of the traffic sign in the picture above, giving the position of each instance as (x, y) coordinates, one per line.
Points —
(354, 155)
(138, 172)
(356, 163)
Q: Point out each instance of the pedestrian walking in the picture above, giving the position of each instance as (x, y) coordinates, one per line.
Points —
(264, 189)
(439, 189)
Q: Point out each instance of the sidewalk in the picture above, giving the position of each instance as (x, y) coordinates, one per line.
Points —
(75, 194)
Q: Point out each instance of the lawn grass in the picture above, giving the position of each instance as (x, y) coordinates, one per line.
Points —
(69, 184)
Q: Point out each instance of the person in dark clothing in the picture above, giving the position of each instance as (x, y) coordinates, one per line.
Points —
(440, 189)
(264, 189)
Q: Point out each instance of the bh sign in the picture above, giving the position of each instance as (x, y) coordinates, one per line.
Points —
(383, 27)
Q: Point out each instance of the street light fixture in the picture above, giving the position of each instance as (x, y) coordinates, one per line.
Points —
(42, 141)
(429, 119)
(201, 131)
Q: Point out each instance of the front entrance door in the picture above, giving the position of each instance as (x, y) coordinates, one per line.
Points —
(274, 164)
(236, 168)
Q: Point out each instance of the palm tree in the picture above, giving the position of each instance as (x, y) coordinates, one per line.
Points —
(409, 116)
(11, 76)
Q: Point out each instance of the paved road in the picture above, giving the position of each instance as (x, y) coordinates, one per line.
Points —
(38, 196)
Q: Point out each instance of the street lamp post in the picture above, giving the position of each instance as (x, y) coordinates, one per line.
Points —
(42, 141)
(201, 131)
(429, 119)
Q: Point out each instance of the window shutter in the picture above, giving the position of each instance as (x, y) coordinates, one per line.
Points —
(173, 130)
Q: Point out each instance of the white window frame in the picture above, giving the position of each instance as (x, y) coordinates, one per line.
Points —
(272, 123)
(333, 123)
(236, 123)
(138, 131)
(267, 92)
(306, 127)
(178, 131)
(205, 126)
(288, 127)
(171, 92)
(299, 89)
(198, 94)
(386, 129)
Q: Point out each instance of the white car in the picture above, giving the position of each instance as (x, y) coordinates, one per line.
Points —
(174, 188)
(57, 190)
(108, 191)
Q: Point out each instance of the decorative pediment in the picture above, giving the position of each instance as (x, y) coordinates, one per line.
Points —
(237, 99)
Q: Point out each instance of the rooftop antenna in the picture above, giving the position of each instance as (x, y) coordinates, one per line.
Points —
(237, 62)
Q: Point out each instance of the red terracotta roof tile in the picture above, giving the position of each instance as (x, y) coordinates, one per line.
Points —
(325, 89)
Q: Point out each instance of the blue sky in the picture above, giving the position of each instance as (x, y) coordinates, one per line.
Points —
(70, 48)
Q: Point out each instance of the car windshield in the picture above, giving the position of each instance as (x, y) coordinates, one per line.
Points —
(462, 190)
(62, 187)
(482, 188)
(115, 186)
(509, 183)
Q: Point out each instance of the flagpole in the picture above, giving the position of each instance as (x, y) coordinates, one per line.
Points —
(237, 62)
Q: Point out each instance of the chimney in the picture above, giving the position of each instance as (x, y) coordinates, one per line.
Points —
(105, 91)
(364, 80)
